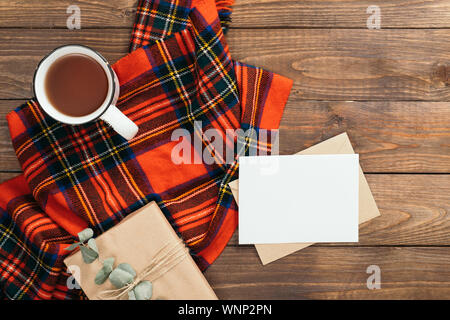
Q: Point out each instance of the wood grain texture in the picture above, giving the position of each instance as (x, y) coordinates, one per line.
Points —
(8, 159)
(389, 89)
(401, 136)
(4, 176)
(53, 13)
(339, 64)
(340, 14)
(415, 211)
(21, 51)
(335, 64)
(333, 273)
(247, 13)
(389, 136)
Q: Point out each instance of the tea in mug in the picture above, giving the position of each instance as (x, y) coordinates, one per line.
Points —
(76, 85)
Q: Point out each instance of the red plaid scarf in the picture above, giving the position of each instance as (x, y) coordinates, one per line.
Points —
(79, 176)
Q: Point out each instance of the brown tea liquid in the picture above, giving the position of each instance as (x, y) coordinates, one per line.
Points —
(76, 85)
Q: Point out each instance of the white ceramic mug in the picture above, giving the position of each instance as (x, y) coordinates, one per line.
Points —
(107, 111)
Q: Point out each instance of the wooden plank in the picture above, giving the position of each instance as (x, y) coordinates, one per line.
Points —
(415, 211)
(389, 136)
(247, 13)
(53, 13)
(7, 175)
(21, 52)
(8, 159)
(333, 273)
(340, 14)
(334, 64)
(340, 64)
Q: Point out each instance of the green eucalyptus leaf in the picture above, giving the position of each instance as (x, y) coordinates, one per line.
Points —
(101, 276)
(88, 254)
(93, 245)
(73, 246)
(86, 234)
(109, 263)
(143, 290)
(128, 268)
(131, 295)
(120, 278)
(105, 271)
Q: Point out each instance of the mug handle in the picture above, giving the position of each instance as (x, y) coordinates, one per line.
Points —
(120, 122)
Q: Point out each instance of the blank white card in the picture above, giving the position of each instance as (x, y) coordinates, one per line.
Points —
(298, 198)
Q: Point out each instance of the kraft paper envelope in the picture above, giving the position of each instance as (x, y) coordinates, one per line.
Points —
(368, 209)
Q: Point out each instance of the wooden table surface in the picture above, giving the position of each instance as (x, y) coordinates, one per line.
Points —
(388, 88)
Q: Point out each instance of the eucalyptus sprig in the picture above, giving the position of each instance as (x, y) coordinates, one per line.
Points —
(87, 245)
(124, 275)
(121, 276)
(105, 271)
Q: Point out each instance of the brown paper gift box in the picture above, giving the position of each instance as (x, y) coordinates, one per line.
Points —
(136, 240)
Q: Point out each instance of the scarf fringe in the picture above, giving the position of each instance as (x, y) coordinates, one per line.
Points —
(224, 10)
(224, 5)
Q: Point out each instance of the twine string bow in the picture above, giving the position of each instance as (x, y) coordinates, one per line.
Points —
(169, 256)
